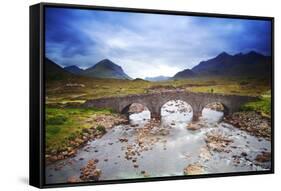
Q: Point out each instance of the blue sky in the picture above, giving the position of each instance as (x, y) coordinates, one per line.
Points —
(147, 45)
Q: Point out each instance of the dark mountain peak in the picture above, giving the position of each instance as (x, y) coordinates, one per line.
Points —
(223, 55)
(73, 69)
(106, 63)
(254, 54)
(106, 60)
(106, 69)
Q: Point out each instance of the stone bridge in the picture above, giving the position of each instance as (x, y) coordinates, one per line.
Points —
(155, 101)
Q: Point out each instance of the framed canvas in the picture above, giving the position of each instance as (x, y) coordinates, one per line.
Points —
(130, 95)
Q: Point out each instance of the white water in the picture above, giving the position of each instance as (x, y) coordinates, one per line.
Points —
(140, 118)
(176, 112)
(167, 154)
(209, 115)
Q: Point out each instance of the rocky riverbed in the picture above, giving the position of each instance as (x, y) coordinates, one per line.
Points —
(171, 146)
(252, 122)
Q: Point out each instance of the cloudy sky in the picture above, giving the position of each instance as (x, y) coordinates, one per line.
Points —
(147, 45)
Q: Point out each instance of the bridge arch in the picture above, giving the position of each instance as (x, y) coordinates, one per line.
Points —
(182, 109)
(177, 104)
(217, 106)
(214, 111)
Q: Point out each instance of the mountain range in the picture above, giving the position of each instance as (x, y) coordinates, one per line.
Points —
(252, 64)
(103, 69)
(157, 78)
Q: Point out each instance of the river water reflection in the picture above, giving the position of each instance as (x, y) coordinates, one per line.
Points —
(156, 149)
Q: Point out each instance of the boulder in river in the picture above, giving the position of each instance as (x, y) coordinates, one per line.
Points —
(193, 126)
(205, 154)
(145, 174)
(90, 172)
(73, 179)
(194, 169)
(123, 140)
(217, 141)
(263, 157)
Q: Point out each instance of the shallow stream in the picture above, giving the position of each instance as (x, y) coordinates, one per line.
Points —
(147, 148)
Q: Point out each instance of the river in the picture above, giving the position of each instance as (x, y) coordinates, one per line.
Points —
(149, 148)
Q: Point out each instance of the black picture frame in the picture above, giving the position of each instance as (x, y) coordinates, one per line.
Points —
(37, 94)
